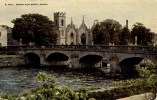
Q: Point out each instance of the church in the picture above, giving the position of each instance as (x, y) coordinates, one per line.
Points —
(70, 34)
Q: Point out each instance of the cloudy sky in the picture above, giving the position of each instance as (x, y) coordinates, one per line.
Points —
(143, 11)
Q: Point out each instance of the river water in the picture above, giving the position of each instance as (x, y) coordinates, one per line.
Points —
(22, 79)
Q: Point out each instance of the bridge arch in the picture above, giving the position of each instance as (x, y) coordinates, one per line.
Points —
(86, 53)
(127, 65)
(57, 58)
(67, 53)
(32, 59)
(91, 60)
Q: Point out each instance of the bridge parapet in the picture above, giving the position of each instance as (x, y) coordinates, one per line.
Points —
(94, 48)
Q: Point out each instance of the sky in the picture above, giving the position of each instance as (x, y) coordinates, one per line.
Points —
(143, 11)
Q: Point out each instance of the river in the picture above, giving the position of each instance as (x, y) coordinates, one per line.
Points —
(15, 79)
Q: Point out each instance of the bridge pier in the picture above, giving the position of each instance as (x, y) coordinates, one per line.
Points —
(114, 67)
(74, 63)
(42, 60)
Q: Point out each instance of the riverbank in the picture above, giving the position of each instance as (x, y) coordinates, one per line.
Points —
(114, 93)
(144, 96)
(99, 88)
(55, 92)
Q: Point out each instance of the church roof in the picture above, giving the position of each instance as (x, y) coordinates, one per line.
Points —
(72, 26)
(83, 25)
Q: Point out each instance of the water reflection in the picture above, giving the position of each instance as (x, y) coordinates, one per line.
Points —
(22, 79)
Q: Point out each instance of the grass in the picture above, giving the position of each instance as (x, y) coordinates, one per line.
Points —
(9, 56)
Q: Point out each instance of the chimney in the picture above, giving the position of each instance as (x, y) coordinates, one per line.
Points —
(127, 23)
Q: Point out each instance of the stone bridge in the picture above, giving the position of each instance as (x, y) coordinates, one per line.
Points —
(117, 58)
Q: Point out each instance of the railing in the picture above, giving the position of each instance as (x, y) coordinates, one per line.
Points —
(94, 48)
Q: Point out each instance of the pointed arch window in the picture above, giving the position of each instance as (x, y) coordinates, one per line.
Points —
(72, 43)
(83, 38)
(62, 22)
(72, 35)
(56, 22)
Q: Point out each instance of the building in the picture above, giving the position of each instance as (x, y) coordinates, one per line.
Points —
(6, 36)
(70, 34)
(3, 35)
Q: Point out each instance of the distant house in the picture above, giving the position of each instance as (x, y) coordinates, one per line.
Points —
(6, 36)
(3, 35)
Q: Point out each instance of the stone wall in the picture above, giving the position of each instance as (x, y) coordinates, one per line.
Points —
(11, 61)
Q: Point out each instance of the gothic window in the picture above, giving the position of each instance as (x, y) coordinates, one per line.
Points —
(62, 22)
(72, 35)
(72, 43)
(56, 22)
(83, 38)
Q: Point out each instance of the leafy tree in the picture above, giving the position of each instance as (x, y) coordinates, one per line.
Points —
(144, 35)
(34, 28)
(125, 36)
(99, 36)
(107, 32)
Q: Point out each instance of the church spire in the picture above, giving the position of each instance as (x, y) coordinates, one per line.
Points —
(71, 21)
(83, 19)
(83, 25)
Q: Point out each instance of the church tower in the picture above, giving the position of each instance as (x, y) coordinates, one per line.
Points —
(60, 22)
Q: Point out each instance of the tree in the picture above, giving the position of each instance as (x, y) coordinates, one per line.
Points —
(107, 32)
(149, 75)
(99, 36)
(125, 36)
(34, 28)
(143, 34)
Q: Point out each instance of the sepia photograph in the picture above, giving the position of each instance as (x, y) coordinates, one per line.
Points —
(78, 50)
